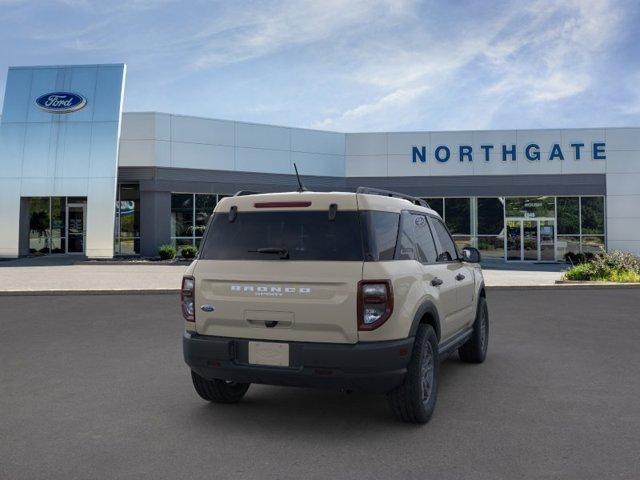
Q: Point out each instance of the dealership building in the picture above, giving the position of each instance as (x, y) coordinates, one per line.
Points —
(79, 176)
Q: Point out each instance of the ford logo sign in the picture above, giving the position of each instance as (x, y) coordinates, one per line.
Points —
(207, 308)
(61, 102)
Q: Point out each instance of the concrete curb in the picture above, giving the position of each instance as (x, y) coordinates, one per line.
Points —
(157, 291)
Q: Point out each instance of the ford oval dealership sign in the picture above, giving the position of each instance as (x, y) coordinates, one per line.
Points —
(61, 102)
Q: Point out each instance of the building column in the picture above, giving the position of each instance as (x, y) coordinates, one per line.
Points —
(9, 217)
(155, 221)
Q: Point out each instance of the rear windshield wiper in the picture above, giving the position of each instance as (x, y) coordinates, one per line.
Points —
(283, 252)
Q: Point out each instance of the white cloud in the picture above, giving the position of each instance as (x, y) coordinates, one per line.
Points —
(542, 53)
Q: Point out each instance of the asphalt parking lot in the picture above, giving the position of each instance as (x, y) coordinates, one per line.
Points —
(95, 387)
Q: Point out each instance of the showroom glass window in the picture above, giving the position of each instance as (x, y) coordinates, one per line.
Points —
(490, 227)
(127, 231)
(581, 225)
(457, 215)
(48, 224)
(189, 215)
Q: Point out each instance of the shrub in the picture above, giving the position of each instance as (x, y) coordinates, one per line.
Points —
(616, 260)
(166, 252)
(189, 251)
(581, 271)
(612, 266)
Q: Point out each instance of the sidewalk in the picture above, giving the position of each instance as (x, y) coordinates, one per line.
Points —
(64, 274)
(40, 275)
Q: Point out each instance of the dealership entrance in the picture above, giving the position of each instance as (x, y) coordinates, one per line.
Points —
(531, 239)
(57, 225)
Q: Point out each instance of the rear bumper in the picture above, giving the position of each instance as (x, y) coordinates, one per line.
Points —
(371, 366)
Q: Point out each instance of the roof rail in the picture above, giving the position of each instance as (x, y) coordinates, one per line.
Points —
(389, 193)
(242, 193)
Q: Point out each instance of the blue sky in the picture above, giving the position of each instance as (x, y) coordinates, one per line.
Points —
(351, 65)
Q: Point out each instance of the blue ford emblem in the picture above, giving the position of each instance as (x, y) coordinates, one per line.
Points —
(61, 102)
(207, 308)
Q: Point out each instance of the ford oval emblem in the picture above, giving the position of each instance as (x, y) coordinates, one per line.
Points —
(61, 102)
(207, 308)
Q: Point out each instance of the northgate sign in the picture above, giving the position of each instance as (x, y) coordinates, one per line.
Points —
(577, 151)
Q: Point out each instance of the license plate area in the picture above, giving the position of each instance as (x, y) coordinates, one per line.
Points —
(273, 354)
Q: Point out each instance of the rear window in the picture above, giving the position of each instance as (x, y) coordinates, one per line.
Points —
(305, 235)
(298, 235)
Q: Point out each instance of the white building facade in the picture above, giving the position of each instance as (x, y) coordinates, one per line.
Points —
(97, 181)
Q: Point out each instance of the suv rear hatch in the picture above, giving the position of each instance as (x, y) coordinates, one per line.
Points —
(281, 267)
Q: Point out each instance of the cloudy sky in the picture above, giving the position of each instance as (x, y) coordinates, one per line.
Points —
(351, 65)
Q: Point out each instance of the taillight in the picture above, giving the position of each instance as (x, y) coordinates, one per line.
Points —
(375, 303)
(187, 298)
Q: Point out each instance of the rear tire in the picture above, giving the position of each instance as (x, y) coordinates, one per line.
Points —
(475, 349)
(415, 400)
(219, 391)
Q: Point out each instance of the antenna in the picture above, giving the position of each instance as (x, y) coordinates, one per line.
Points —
(301, 187)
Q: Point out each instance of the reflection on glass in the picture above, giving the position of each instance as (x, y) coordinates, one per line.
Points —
(568, 216)
(592, 215)
(514, 237)
(39, 225)
(181, 242)
(462, 241)
(435, 203)
(491, 247)
(490, 216)
(128, 246)
(457, 213)
(592, 244)
(58, 214)
(204, 208)
(58, 245)
(75, 229)
(547, 240)
(181, 214)
(567, 244)
(530, 240)
(530, 207)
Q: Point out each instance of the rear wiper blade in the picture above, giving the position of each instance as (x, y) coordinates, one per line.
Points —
(283, 252)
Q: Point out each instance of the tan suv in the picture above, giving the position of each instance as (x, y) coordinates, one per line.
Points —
(353, 291)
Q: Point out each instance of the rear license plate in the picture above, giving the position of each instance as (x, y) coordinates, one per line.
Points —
(269, 353)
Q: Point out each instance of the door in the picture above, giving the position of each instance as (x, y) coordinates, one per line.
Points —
(75, 227)
(530, 239)
(514, 240)
(458, 282)
(547, 229)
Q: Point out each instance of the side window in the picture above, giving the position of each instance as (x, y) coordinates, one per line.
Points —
(416, 242)
(447, 249)
(380, 232)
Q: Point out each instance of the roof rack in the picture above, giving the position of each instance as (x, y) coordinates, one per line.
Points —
(389, 193)
(242, 193)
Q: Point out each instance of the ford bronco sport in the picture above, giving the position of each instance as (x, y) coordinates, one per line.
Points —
(353, 291)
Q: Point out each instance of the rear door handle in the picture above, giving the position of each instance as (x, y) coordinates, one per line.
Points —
(436, 282)
(460, 277)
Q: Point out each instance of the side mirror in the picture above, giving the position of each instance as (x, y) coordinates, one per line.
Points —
(471, 255)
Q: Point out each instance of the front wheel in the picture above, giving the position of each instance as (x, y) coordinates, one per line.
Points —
(219, 391)
(475, 349)
(415, 400)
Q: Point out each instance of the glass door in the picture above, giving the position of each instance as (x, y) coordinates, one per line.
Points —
(531, 240)
(547, 240)
(513, 241)
(75, 227)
